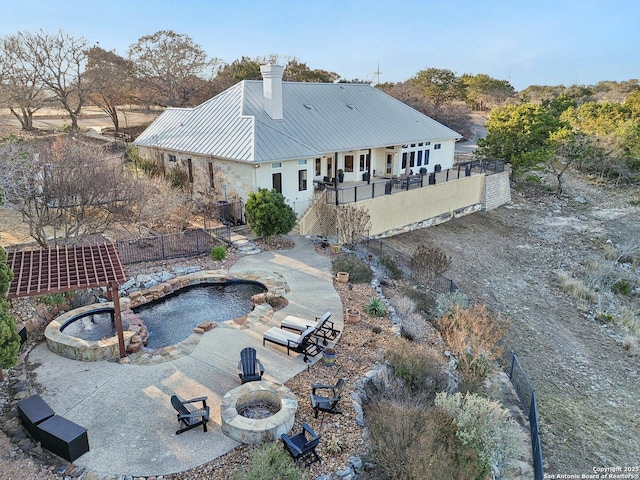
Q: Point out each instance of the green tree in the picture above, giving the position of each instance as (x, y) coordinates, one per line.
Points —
(268, 214)
(481, 91)
(568, 149)
(9, 338)
(518, 134)
(439, 86)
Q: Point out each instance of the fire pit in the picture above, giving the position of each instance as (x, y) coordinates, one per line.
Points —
(258, 412)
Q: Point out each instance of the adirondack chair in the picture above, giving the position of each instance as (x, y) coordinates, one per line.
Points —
(250, 369)
(191, 417)
(329, 404)
(301, 445)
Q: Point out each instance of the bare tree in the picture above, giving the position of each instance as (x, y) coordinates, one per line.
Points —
(171, 67)
(352, 222)
(60, 60)
(66, 188)
(427, 263)
(20, 87)
(110, 78)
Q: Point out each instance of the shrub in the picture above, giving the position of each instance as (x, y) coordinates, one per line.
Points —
(269, 461)
(358, 270)
(474, 337)
(446, 301)
(391, 267)
(177, 177)
(622, 287)
(420, 369)
(422, 299)
(412, 442)
(218, 253)
(53, 298)
(9, 338)
(376, 308)
(268, 214)
(427, 263)
(413, 327)
(484, 425)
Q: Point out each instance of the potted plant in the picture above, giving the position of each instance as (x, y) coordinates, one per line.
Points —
(352, 315)
(340, 175)
(329, 355)
(342, 277)
(423, 171)
(366, 176)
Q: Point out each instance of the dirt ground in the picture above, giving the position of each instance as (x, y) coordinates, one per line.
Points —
(586, 381)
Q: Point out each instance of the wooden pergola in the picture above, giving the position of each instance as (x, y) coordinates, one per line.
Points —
(62, 269)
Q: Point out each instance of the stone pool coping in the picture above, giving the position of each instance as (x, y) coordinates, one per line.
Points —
(107, 349)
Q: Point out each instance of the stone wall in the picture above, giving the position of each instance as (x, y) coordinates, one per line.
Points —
(497, 190)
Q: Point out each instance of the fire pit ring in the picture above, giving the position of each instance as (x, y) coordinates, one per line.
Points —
(258, 430)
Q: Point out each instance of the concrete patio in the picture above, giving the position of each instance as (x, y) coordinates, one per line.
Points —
(126, 407)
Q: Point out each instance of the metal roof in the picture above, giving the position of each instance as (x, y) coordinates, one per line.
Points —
(319, 118)
(61, 269)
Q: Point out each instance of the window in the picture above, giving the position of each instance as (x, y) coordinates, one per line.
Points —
(436, 146)
(419, 158)
(211, 176)
(190, 170)
(302, 180)
(276, 165)
(404, 160)
(363, 162)
(276, 182)
(426, 157)
(302, 162)
(389, 163)
(412, 157)
(172, 158)
(318, 167)
(348, 163)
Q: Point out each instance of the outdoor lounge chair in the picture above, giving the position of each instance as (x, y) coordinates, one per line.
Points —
(302, 343)
(191, 418)
(299, 446)
(250, 369)
(324, 328)
(327, 404)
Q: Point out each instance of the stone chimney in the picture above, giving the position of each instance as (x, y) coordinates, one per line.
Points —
(272, 89)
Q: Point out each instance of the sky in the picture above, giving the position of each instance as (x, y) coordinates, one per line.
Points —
(526, 42)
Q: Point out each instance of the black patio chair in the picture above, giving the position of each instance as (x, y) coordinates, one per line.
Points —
(301, 445)
(302, 343)
(250, 369)
(329, 404)
(191, 418)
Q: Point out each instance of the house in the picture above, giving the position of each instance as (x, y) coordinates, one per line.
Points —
(288, 135)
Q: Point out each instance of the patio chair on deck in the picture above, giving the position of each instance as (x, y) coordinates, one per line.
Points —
(250, 369)
(324, 328)
(299, 446)
(302, 343)
(191, 418)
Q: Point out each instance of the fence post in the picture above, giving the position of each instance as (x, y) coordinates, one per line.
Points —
(162, 243)
(513, 361)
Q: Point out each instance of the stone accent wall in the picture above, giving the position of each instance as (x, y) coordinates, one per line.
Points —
(430, 222)
(497, 190)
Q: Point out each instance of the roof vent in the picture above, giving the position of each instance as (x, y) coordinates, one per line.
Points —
(308, 107)
(351, 106)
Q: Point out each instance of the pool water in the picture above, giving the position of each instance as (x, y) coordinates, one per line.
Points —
(172, 318)
(93, 326)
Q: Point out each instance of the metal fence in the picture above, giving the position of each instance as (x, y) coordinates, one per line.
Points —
(379, 188)
(437, 283)
(172, 245)
(527, 395)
